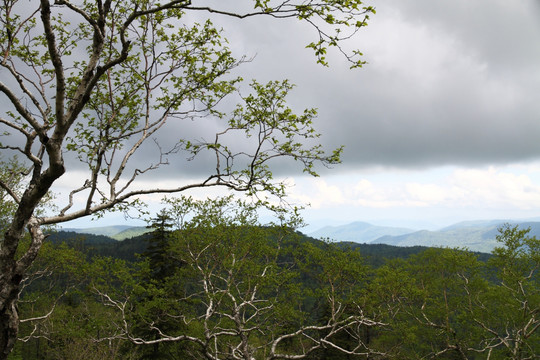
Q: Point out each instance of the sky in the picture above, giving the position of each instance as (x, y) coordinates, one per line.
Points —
(441, 125)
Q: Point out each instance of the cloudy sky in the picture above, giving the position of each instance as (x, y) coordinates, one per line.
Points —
(442, 124)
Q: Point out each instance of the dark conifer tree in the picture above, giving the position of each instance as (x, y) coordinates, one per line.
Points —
(157, 251)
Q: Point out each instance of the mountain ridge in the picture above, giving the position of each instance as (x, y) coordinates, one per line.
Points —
(358, 232)
(472, 235)
(117, 232)
(477, 235)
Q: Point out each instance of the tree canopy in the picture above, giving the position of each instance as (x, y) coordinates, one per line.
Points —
(240, 289)
(98, 80)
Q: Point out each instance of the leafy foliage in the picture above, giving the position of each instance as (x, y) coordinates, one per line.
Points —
(97, 80)
(245, 286)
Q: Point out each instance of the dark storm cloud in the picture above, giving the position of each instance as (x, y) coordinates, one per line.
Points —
(447, 83)
(503, 32)
(464, 91)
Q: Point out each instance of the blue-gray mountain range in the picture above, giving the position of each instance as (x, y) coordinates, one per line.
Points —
(117, 232)
(473, 235)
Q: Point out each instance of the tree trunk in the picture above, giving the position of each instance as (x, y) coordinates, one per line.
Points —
(9, 318)
(12, 271)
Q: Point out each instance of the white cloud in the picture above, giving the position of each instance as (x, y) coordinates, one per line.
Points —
(460, 188)
(426, 194)
(461, 193)
(497, 187)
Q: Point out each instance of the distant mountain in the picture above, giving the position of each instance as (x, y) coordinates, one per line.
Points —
(474, 235)
(474, 239)
(117, 232)
(360, 232)
(131, 232)
(476, 224)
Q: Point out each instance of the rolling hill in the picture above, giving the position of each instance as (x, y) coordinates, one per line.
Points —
(117, 232)
(473, 235)
(360, 232)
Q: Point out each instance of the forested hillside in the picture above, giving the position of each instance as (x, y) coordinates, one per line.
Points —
(227, 288)
(129, 249)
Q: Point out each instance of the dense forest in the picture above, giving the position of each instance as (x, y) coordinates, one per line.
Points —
(219, 285)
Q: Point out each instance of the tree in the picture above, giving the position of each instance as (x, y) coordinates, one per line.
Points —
(60, 318)
(508, 312)
(158, 246)
(439, 310)
(97, 79)
(446, 304)
(242, 292)
(10, 180)
(336, 279)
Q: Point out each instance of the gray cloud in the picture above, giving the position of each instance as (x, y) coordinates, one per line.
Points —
(447, 83)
